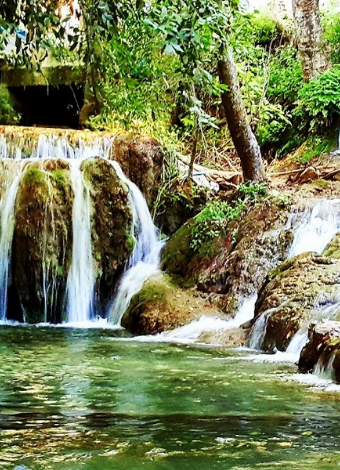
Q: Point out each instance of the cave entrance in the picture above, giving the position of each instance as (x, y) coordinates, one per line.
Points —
(49, 106)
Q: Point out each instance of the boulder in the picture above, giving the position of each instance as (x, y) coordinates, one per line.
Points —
(141, 159)
(43, 237)
(293, 293)
(42, 242)
(160, 305)
(322, 352)
(233, 265)
(111, 220)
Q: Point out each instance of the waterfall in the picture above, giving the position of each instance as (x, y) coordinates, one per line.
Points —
(145, 258)
(7, 217)
(297, 343)
(316, 228)
(81, 278)
(258, 332)
(53, 146)
(325, 371)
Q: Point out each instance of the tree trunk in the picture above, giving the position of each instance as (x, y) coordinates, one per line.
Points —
(314, 56)
(243, 138)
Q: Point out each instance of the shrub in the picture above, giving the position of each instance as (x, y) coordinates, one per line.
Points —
(319, 100)
(7, 113)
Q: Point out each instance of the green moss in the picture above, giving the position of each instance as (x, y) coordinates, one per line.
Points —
(33, 177)
(177, 253)
(316, 146)
(321, 183)
(130, 241)
(333, 248)
(154, 292)
(61, 178)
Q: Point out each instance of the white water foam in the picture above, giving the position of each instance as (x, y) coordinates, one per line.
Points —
(191, 332)
(314, 382)
(145, 258)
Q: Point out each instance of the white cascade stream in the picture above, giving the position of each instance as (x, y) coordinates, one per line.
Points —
(7, 217)
(53, 146)
(81, 277)
(316, 227)
(145, 258)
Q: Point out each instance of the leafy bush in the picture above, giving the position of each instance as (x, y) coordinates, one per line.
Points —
(212, 223)
(331, 27)
(319, 100)
(285, 77)
(7, 113)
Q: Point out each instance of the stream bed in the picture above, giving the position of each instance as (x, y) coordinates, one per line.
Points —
(92, 399)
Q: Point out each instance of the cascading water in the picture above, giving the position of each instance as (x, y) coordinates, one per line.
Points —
(7, 217)
(145, 258)
(80, 281)
(313, 230)
(316, 228)
(53, 146)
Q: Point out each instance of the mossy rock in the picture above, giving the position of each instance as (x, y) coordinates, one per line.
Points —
(112, 242)
(42, 242)
(161, 306)
(233, 265)
(293, 291)
(333, 248)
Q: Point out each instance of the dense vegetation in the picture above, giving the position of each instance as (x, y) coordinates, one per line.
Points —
(153, 68)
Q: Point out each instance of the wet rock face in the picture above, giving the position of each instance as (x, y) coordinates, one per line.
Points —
(260, 243)
(294, 291)
(322, 350)
(112, 242)
(235, 265)
(42, 242)
(141, 159)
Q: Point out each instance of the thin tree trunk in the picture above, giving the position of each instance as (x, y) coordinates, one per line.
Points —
(314, 55)
(243, 138)
(193, 154)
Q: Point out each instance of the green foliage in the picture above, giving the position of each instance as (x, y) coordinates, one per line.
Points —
(315, 146)
(134, 87)
(253, 191)
(7, 113)
(285, 78)
(212, 222)
(319, 100)
(331, 26)
(34, 177)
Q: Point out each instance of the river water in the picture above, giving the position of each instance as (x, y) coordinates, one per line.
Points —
(92, 399)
